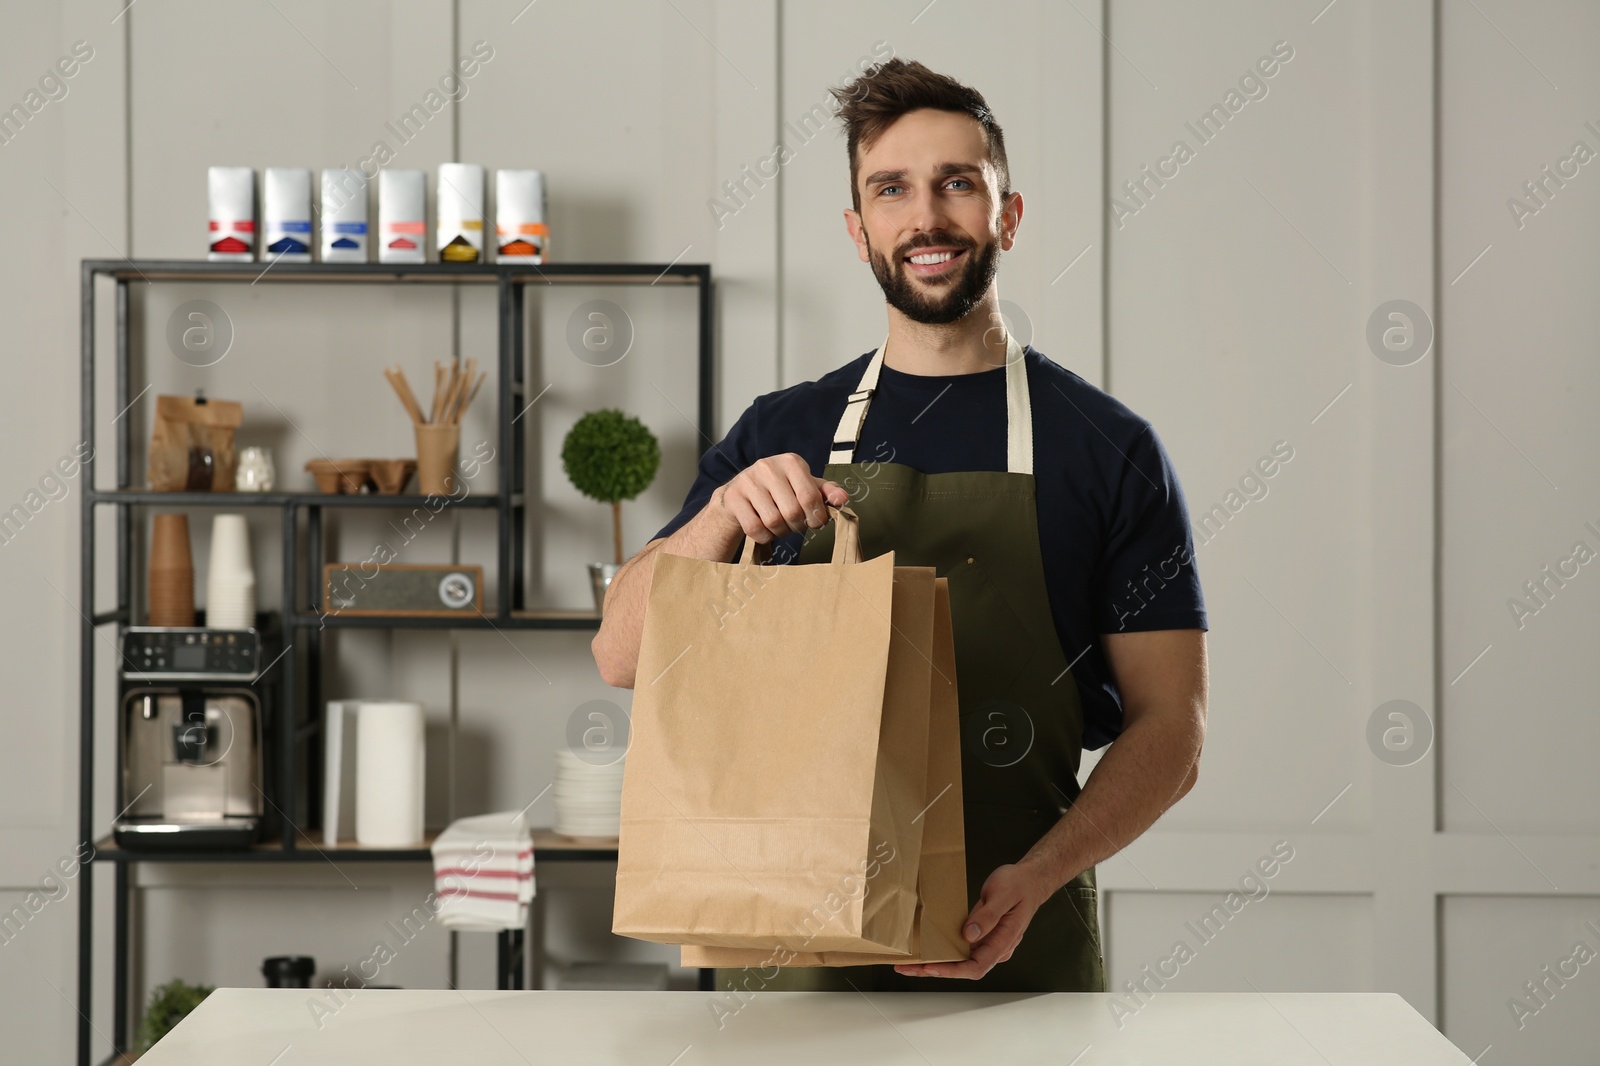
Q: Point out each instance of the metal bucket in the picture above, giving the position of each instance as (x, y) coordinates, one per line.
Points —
(600, 575)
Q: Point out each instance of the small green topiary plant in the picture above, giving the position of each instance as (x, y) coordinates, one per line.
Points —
(611, 457)
(169, 1005)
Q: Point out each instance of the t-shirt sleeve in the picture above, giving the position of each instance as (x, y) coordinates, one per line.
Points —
(1147, 577)
(719, 465)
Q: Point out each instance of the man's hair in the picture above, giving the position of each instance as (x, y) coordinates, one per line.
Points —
(870, 104)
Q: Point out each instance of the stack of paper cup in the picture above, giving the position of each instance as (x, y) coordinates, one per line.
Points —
(588, 796)
(171, 584)
(231, 583)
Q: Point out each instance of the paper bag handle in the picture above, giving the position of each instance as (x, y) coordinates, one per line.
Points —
(846, 539)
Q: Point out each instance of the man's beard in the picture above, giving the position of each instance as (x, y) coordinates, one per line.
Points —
(955, 296)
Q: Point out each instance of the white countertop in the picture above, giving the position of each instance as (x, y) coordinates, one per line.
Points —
(278, 1027)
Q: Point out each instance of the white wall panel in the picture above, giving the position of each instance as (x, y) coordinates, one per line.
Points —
(1492, 947)
(38, 974)
(1517, 399)
(1267, 939)
(63, 203)
(1239, 293)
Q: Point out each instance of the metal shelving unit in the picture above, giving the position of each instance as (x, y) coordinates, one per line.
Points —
(302, 623)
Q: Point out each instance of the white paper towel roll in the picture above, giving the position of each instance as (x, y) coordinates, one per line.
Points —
(389, 774)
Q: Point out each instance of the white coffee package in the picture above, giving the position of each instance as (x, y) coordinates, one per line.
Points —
(286, 215)
(402, 217)
(522, 230)
(344, 215)
(232, 195)
(460, 225)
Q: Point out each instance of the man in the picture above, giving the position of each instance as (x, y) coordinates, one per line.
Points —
(1077, 613)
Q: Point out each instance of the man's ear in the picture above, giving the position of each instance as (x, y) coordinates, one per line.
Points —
(852, 222)
(1010, 220)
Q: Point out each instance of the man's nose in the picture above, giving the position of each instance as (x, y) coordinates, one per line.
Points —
(926, 212)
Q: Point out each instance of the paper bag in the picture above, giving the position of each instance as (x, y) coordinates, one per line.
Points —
(942, 873)
(778, 753)
(191, 446)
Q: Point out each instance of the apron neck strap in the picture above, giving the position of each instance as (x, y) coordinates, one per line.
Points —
(1019, 412)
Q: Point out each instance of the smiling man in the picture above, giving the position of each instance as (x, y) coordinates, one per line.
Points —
(1051, 507)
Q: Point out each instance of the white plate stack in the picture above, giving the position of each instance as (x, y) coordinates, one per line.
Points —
(231, 580)
(588, 796)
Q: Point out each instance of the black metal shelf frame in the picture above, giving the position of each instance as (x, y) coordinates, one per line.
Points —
(300, 615)
(311, 853)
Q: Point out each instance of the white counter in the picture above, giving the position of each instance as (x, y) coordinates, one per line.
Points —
(279, 1027)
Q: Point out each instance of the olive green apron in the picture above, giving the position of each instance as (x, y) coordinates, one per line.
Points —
(1021, 721)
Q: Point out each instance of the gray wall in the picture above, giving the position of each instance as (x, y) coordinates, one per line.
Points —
(1231, 308)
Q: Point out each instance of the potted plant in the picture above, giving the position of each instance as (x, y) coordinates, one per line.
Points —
(169, 1005)
(610, 456)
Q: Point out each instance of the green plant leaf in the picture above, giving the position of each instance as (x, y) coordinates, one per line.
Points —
(169, 1005)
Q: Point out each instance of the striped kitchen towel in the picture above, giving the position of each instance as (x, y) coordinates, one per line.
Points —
(483, 872)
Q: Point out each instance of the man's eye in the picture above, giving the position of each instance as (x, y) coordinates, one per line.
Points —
(886, 188)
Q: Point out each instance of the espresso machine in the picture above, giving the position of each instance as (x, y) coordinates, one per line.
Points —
(194, 758)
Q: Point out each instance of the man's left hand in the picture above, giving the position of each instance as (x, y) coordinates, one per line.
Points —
(1010, 897)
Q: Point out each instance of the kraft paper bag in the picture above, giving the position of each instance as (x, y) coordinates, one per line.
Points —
(778, 753)
(942, 874)
(191, 446)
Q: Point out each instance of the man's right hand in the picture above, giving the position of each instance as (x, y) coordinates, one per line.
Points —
(776, 496)
(771, 498)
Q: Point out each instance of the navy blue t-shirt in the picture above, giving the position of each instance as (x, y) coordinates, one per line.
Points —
(1114, 529)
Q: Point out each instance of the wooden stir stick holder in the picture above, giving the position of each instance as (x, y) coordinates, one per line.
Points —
(439, 436)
